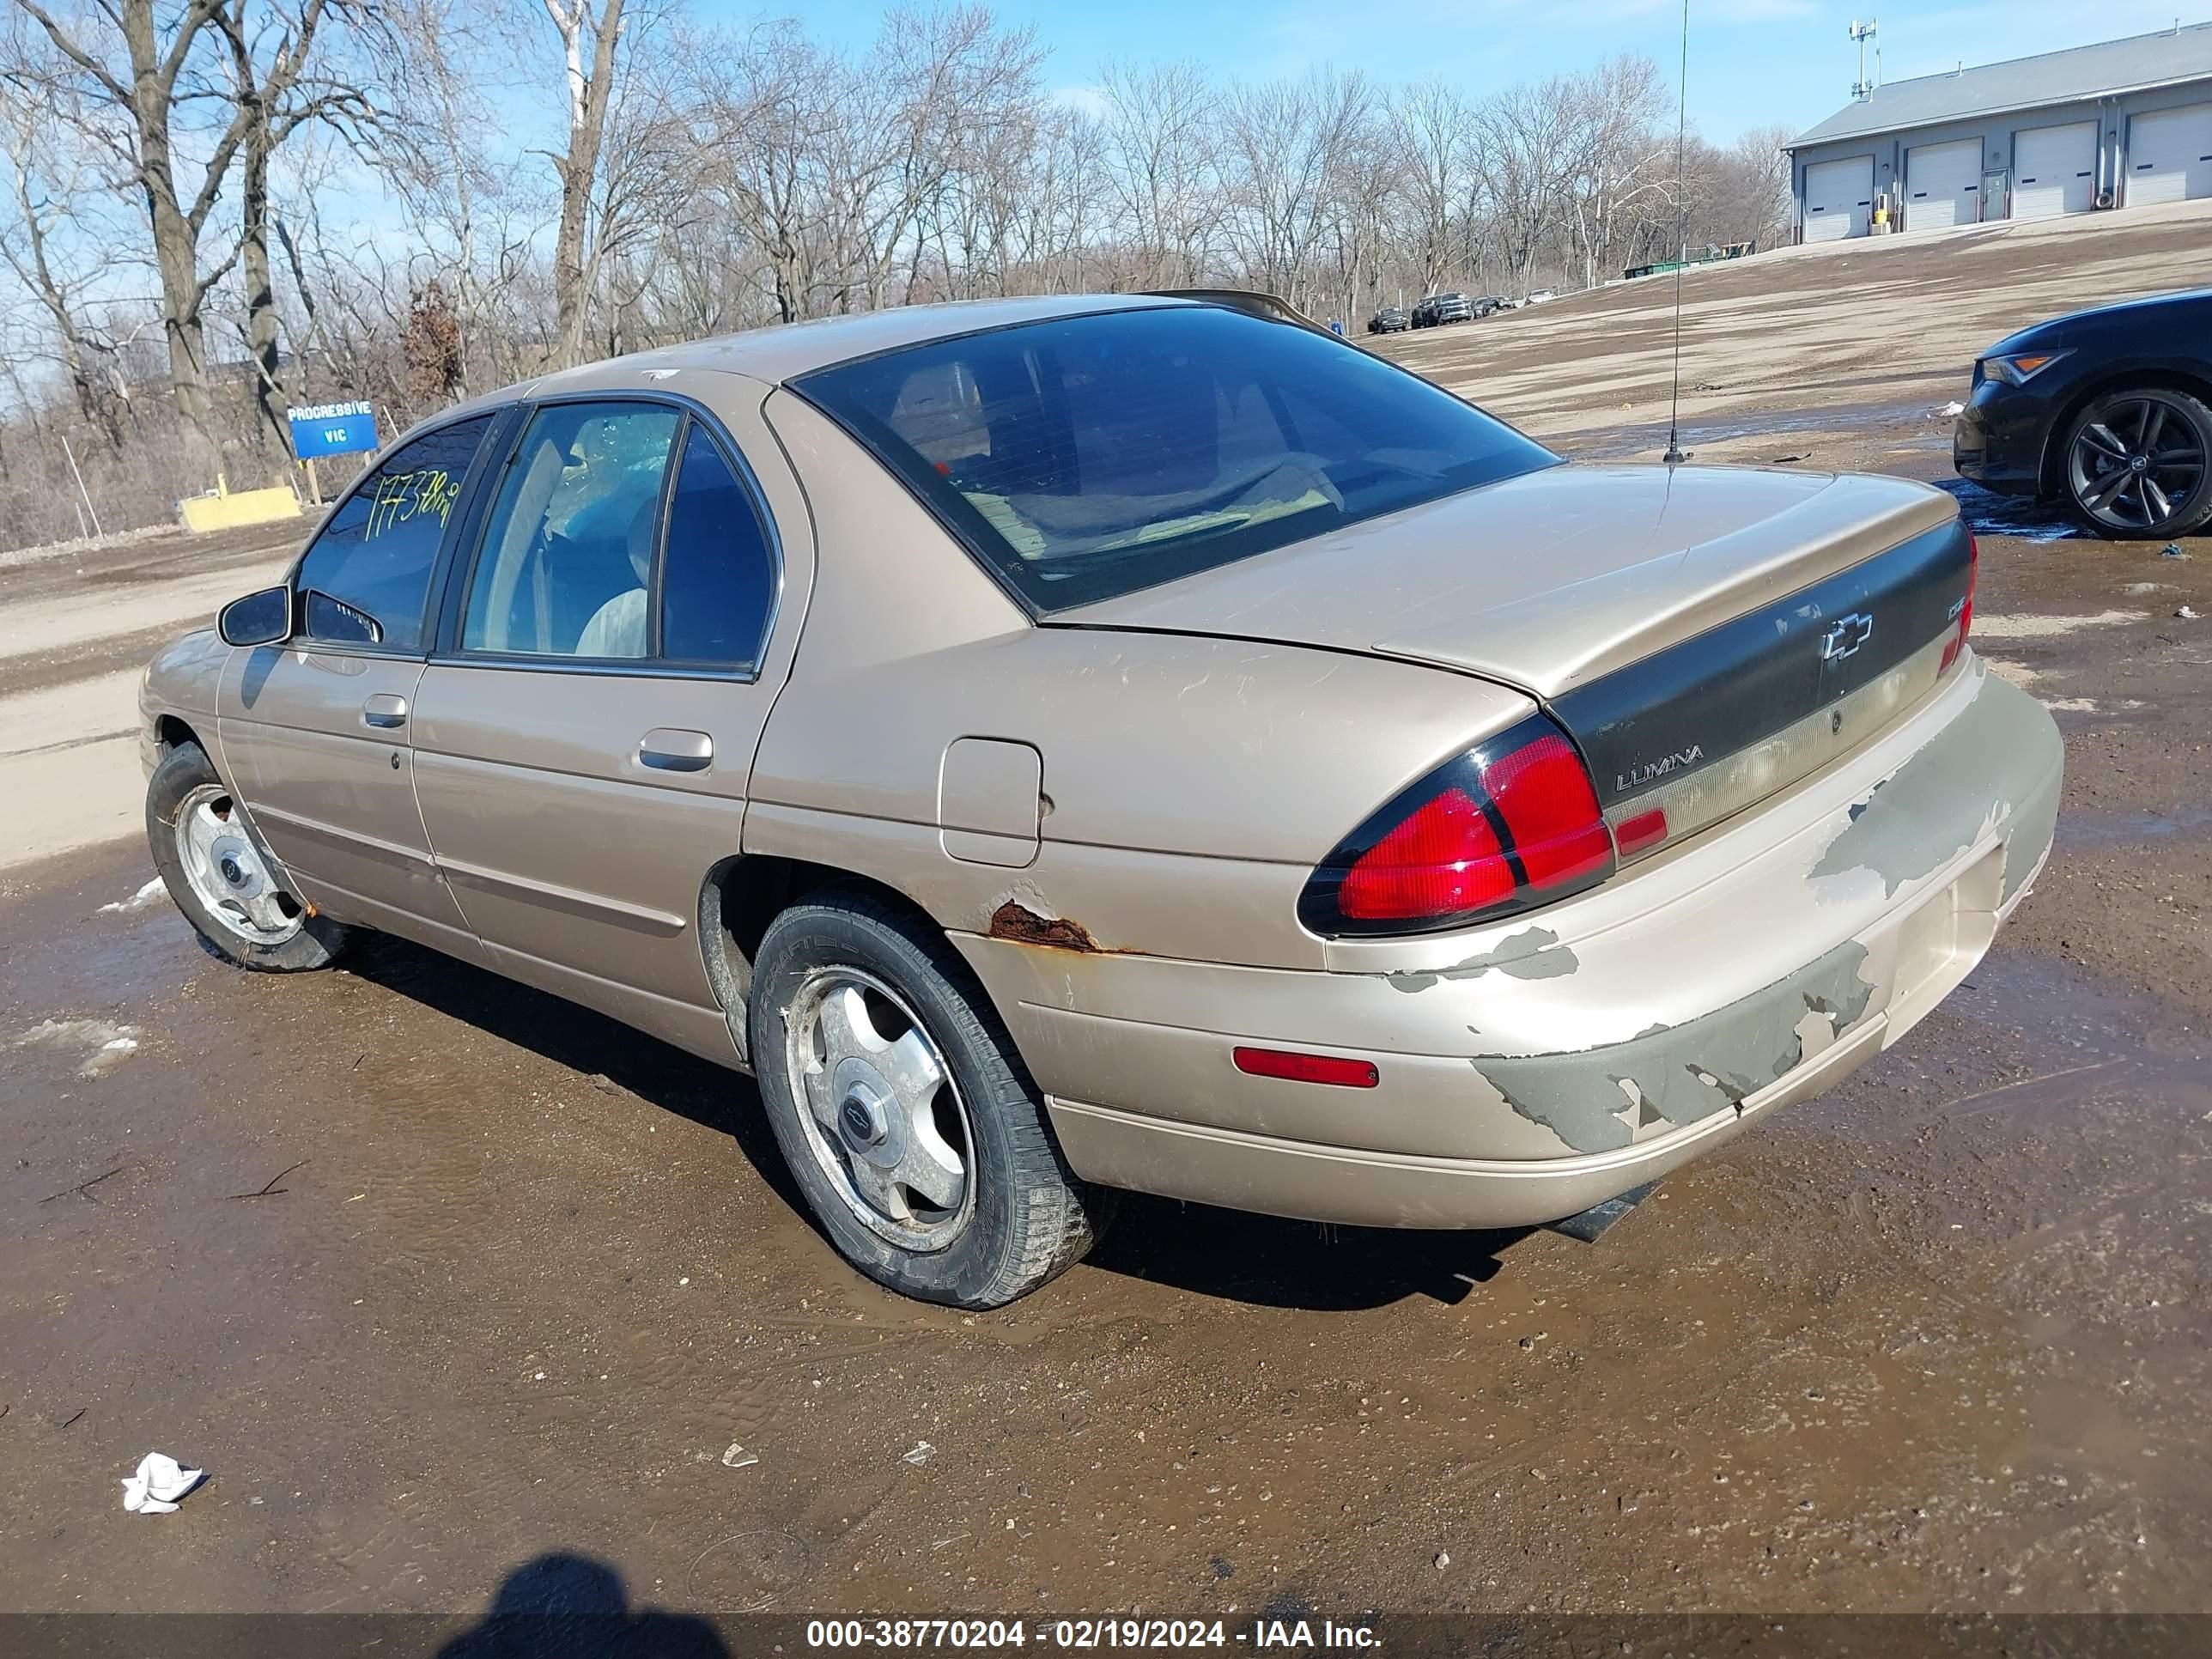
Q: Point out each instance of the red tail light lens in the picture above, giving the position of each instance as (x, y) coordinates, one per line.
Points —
(1513, 823)
(1551, 807)
(1443, 858)
(1958, 642)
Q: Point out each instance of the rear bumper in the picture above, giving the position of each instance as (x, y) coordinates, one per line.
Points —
(1528, 1072)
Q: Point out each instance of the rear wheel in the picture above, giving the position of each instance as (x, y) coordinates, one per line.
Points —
(215, 873)
(906, 1116)
(2134, 464)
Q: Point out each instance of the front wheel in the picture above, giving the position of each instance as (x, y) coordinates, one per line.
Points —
(215, 873)
(906, 1116)
(2134, 464)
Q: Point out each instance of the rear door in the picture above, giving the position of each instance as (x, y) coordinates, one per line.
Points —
(583, 746)
(1839, 199)
(1942, 184)
(2170, 155)
(2054, 170)
(317, 733)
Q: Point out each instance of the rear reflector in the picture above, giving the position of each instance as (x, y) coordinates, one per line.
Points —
(1645, 829)
(1513, 823)
(1958, 641)
(1295, 1067)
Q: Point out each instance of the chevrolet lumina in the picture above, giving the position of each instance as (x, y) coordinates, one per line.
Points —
(1064, 745)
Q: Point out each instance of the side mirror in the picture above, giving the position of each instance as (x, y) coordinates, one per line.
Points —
(262, 618)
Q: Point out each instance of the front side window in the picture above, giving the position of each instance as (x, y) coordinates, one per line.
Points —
(566, 566)
(366, 580)
(1089, 457)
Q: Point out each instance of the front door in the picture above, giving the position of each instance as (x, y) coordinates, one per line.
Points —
(582, 754)
(316, 732)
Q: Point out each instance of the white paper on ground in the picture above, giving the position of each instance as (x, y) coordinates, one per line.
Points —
(160, 1481)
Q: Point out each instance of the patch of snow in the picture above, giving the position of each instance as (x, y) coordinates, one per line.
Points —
(104, 1042)
(138, 901)
(2044, 628)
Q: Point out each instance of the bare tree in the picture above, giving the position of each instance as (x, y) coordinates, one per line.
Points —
(591, 33)
(1616, 155)
(1160, 135)
(1288, 142)
(56, 190)
(1433, 129)
(152, 68)
(276, 94)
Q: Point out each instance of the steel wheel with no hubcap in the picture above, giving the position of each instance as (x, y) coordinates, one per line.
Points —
(883, 1114)
(228, 874)
(2139, 466)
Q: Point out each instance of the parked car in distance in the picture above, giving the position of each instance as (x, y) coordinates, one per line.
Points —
(1389, 320)
(1440, 308)
(1066, 745)
(1542, 296)
(1488, 305)
(2109, 412)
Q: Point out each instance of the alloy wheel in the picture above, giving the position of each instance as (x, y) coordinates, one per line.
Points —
(228, 874)
(883, 1115)
(2139, 466)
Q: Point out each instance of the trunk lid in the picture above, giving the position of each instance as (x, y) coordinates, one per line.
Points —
(1707, 636)
(1550, 580)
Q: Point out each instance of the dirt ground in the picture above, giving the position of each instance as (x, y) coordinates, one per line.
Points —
(437, 1275)
(77, 626)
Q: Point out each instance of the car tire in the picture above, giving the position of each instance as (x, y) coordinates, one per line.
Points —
(1022, 1217)
(2182, 439)
(182, 785)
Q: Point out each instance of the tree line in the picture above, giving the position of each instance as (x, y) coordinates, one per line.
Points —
(215, 208)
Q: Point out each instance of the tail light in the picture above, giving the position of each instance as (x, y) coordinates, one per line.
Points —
(1957, 642)
(1510, 824)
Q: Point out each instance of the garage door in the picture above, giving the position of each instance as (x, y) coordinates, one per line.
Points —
(2054, 171)
(1839, 199)
(2170, 155)
(1942, 184)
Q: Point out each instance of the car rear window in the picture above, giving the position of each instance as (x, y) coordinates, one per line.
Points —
(1091, 456)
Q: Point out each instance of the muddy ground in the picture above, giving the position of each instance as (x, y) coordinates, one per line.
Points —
(438, 1275)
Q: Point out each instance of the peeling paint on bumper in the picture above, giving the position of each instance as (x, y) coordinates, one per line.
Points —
(1758, 965)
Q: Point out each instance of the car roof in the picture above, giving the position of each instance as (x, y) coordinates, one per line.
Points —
(784, 352)
(788, 350)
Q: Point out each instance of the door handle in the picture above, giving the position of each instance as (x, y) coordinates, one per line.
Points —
(384, 711)
(670, 749)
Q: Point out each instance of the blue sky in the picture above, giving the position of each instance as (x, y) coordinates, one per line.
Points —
(1752, 62)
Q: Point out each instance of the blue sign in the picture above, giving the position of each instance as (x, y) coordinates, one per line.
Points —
(332, 430)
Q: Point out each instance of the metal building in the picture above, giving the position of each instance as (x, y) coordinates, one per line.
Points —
(2121, 124)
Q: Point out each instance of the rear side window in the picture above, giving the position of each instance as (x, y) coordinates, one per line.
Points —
(1092, 456)
(366, 580)
(717, 579)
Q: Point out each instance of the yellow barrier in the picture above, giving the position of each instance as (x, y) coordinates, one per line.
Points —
(226, 509)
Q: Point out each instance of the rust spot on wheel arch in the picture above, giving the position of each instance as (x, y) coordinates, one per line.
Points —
(1026, 926)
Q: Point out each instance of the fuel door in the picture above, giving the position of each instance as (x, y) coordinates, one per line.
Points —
(989, 801)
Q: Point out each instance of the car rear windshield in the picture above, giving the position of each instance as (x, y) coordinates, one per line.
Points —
(1089, 457)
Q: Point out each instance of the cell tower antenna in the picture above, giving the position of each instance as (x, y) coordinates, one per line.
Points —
(1861, 34)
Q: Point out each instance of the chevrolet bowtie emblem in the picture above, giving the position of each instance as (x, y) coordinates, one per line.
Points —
(1847, 635)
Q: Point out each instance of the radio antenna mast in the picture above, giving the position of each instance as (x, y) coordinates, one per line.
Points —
(1862, 88)
(1674, 457)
